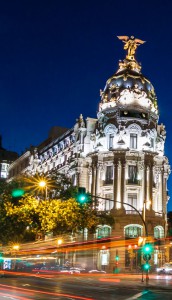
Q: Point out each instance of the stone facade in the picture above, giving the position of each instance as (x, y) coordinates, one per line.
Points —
(6, 158)
(118, 156)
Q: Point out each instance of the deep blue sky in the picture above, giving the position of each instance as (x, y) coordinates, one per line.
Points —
(55, 56)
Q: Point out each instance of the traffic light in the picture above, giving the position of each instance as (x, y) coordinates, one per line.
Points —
(1, 257)
(82, 197)
(116, 256)
(147, 249)
(146, 266)
(16, 193)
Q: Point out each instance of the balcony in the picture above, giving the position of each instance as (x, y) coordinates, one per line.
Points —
(132, 212)
(108, 182)
(133, 181)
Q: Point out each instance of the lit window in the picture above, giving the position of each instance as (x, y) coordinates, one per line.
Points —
(158, 232)
(109, 174)
(133, 231)
(132, 174)
(108, 204)
(132, 200)
(103, 232)
(133, 141)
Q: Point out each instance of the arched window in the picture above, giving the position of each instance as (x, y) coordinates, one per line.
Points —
(103, 231)
(133, 231)
(158, 232)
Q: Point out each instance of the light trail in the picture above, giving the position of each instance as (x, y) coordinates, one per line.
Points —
(44, 293)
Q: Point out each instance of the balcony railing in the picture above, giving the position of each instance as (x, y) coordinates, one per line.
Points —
(133, 181)
(132, 212)
(108, 182)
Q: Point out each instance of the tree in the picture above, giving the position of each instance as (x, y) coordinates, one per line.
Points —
(23, 217)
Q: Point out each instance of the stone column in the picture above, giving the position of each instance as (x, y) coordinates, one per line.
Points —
(96, 179)
(115, 182)
(151, 185)
(160, 197)
(119, 185)
(89, 179)
(162, 187)
(123, 182)
(93, 180)
(145, 184)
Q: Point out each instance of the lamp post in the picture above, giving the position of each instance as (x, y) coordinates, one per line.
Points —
(15, 248)
(43, 184)
(59, 243)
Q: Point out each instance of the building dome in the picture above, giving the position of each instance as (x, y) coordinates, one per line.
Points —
(129, 88)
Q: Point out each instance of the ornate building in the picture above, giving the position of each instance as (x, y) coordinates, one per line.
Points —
(119, 156)
(6, 158)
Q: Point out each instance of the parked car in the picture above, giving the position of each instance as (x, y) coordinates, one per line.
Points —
(165, 269)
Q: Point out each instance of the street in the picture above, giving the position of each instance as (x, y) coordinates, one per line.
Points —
(97, 287)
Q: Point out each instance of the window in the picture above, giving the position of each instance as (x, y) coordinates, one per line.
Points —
(3, 167)
(158, 232)
(133, 231)
(109, 174)
(73, 179)
(152, 143)
(133, 141)
(111, 141)
(108, 205)
(132, 174)
(103, 231)
(132, 199)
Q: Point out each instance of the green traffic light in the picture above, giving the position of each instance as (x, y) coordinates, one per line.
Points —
(82, 197)
(17, 193)
(117, 258)
(146, 267)
(147, 249)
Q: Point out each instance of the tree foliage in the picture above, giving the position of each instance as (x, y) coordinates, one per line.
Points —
(22, 218)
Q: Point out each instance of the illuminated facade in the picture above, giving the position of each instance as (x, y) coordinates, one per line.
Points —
(6, 158)
(119, 155)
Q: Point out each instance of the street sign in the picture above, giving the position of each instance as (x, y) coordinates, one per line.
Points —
(146, 257)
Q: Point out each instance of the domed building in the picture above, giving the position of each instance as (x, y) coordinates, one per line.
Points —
(119, 158)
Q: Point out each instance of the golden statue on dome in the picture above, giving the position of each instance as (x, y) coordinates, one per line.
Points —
(131, 45)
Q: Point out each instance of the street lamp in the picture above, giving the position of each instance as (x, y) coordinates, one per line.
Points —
(16, 248)
(59, 242)
(43, 184)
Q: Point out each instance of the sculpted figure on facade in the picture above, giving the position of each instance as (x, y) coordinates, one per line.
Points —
(36, 160)
(81, 122)
(130, 44)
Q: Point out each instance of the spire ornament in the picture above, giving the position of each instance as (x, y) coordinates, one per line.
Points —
(131, 45)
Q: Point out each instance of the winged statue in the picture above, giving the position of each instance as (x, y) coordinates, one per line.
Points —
(131, 44)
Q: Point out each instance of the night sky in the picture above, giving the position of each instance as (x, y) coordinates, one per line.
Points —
(55, 56)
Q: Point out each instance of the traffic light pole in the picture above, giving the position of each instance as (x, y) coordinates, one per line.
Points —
(144, 223)
(116, 201)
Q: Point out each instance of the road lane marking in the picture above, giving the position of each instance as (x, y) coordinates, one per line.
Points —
(44, 292)
(137, 295)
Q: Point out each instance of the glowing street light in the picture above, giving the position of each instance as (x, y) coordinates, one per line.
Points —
(16, 247)
(59, 242)
(43, 184)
